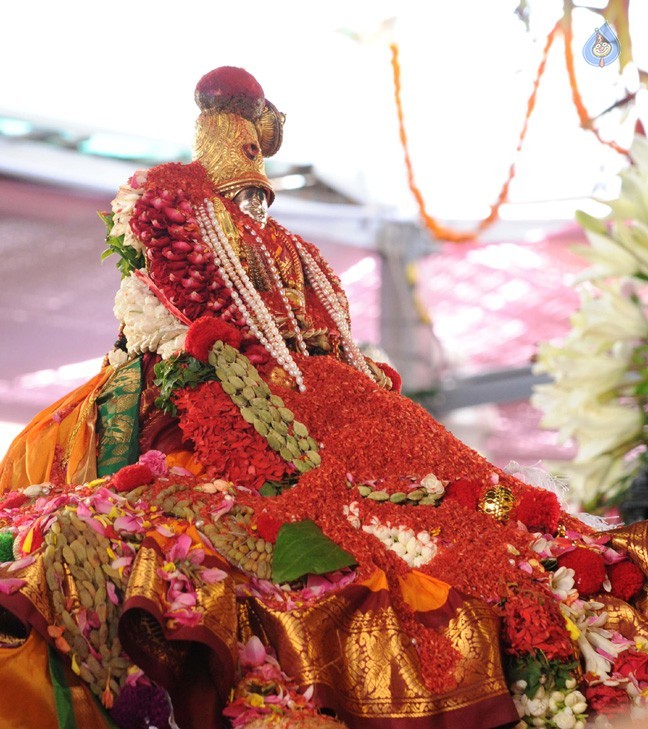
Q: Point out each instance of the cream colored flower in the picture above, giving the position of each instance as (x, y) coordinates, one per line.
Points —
(608, 256)
(148, 326)
(565, 719)
(633, 201)
(610, 316)
(122, 207)
(117, 357)
(600, 429)
(562, 583)
(589, 479)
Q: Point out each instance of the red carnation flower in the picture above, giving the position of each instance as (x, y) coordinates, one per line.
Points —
(539, 511)
(130, 477)
(465, 491)
(608, 699)
(268, 527)
(205, 331)
(589, 569)
(626, 579)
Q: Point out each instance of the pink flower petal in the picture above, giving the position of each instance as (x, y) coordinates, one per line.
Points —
(112, 593)
(213, 575)
(20, 563)
(130, 524)
(253, 653)
(11, 585)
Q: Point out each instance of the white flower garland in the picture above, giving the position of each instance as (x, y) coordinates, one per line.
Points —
(414, 549)
(148, 326)
(122, 207)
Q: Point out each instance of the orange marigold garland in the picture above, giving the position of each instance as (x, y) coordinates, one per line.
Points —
(439, 231)
(584, 117)
(444, 233)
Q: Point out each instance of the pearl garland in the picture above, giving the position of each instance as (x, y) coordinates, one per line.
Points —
(246, 298)
(327, 295)
(276, 277)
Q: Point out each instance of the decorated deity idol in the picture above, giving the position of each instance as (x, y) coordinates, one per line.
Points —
(240, 521)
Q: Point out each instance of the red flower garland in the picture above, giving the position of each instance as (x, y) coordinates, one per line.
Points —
(589, 569)
(227, 445)
(532, 622)
(626, 580)
(465, 492)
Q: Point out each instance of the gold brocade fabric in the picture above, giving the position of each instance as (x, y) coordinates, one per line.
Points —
(353, 644)
(217, 603)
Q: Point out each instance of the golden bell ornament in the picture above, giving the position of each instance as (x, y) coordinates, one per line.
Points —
(497, 502)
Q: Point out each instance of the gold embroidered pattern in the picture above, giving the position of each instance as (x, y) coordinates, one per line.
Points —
(370, 662)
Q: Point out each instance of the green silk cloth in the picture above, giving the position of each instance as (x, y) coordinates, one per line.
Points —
(118, 419)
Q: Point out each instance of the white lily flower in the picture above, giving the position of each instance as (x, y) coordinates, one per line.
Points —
(600, 429)
(594, 663)
(608, 256)
(610, 316)
(590, 478)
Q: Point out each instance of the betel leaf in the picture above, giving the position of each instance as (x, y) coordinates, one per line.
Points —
(302, 549)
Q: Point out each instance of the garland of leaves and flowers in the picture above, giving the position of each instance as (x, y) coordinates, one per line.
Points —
(263, 412)
(599, 393)
(120, 239)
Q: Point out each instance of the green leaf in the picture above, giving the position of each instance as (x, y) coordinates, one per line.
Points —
(302, 549)
(268, 489)
(177, 372)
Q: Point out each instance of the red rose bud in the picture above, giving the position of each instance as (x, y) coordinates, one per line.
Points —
(130, 477)
(589, 569)
(205, 331)
(626, 580)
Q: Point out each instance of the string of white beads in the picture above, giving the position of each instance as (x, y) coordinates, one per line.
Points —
(246, 298)
(329, 299)
(276, 277)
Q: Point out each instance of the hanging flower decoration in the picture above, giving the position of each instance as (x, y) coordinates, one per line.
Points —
(599, 394)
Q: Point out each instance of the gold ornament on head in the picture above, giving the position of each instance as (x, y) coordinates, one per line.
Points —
(236, 129)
